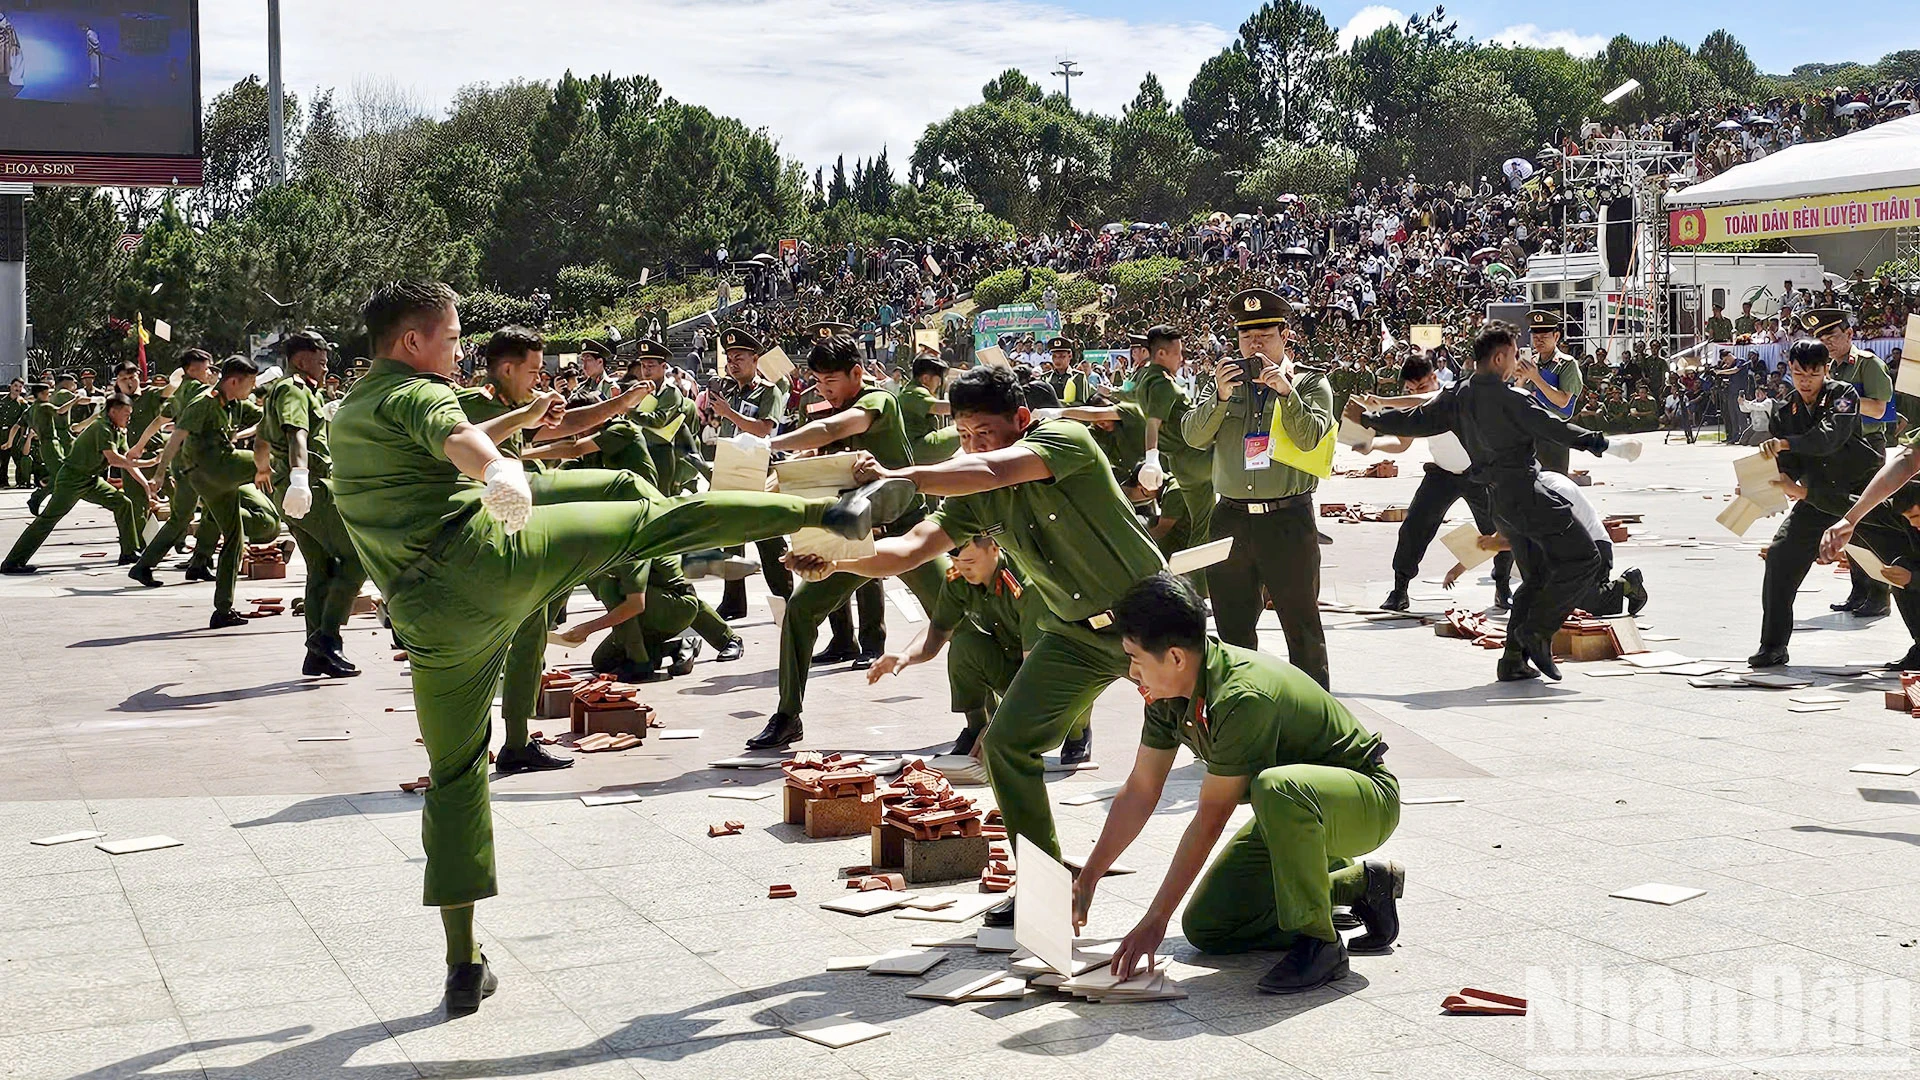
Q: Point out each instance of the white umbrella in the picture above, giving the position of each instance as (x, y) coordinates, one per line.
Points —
(1852, 107)
(1517, 169)
(1728, 125)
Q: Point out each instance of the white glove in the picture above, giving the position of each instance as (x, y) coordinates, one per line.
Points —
(508, 498)
(1625, 449)
(299, 496)
(1151, 475)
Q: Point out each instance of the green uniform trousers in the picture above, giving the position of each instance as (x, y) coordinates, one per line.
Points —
(1281, 551)
(979, 670)
(1196, 514)
(1057, 683)
(179, 519)
(812, 601)
(527, 655)
(334, 573)
(458, 608)
(240, 514)
(1281, 875)
(61, 498)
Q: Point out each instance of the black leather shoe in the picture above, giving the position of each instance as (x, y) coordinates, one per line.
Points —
(1541, 653)
(866, 659)
(1513, 667)
(20, 568)
(530, 757)
(1636, 589)
(1873, 609)
(964, 744)
(868, 507)
(223, 619)
(1775, 657)
(322, 662)
(682, 663)
(1386, 882)
(836, 653)
(144, 575)
(199, 573)
(1849, 604)
(734, 649)
(468, 985)
(1502, 596)
(126, 560)
(999, 916)
(1344, 919)
(1909, 662)
(781, 732)
(1078, 751)
(731, 613)
(1309, 965)
(1396, 601)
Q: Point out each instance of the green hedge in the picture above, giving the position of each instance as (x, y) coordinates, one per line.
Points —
(1140, 279)
(584, 290)
(1074, 293)
(485, 311)
(1003, 288)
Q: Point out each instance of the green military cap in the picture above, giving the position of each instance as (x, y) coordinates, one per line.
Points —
(649, 349)
(736, 337)
(1543, 321)
(1820, 320)
(591, 347)
(821, 331)
(1056, 344)
(1255, 308)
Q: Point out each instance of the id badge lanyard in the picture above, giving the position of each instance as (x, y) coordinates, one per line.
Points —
(1258, 447)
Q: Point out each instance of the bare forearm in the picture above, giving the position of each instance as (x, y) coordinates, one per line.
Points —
(1189, 859)
(503, 427)
(577, 421)
(1129, 814)
(1899, 469)
(296, 448)
(471, 450)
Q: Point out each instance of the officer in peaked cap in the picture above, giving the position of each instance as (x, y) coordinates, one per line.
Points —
(1258, 409)
(1553, 378)
(746, 401)
(1867, 374)
(1069, 386)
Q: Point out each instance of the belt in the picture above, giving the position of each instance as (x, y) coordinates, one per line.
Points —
(1270, 506)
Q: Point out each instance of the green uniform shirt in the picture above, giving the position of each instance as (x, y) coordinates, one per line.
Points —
(146, 408)
(210, 422)
(13, 411)
(87, 457)
(47, 426)
(1125, 445)
(1004, 610)
(1303, 417)
(667, 404)
(624, 446)
(1251, 712)
(1720, 329)
(396, 490)
(759, 400)
(1069, 386)
(933, 441)
(1073, 535)
(188, 389)
(1868, 374)
(484, 403)
(1162, 399)
(294, 404)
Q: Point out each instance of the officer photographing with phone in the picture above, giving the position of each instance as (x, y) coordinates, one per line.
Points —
(1264, 421)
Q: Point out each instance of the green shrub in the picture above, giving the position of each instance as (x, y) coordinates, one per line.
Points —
(1139, 279)
(1004, 287)
(587, 289)
(485, 311)
(1074, 293)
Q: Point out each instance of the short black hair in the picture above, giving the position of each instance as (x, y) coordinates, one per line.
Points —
(125, 366)
(837, 354)
(1161, 612)
(512, 343)
(234, 367)
(1040, 395)
(929, 365)
(119, 399)
(397, 304)
(1809, 354)
(1908, 496)
(195, 356)
(1415, 369)
(986, 390)
(1493, 337)
(1161, 334)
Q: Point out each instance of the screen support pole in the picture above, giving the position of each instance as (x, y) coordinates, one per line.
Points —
(13, 287)
(276, 105)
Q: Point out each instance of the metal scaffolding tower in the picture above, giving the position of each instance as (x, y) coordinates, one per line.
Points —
(1628, 178)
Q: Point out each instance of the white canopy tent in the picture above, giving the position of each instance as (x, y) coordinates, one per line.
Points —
(1883, 156)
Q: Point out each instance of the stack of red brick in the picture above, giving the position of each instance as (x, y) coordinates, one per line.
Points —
(1907, 698)
(263, 561)
(1462, 623)
(828, 776)
(265, 606)
(924, 805)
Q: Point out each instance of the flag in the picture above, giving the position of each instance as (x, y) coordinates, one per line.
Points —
(140, 329)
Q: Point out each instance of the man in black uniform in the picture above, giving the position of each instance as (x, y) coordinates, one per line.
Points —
(1818, 444)
(1500, 429)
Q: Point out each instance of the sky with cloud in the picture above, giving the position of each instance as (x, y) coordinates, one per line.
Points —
(850, 76)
